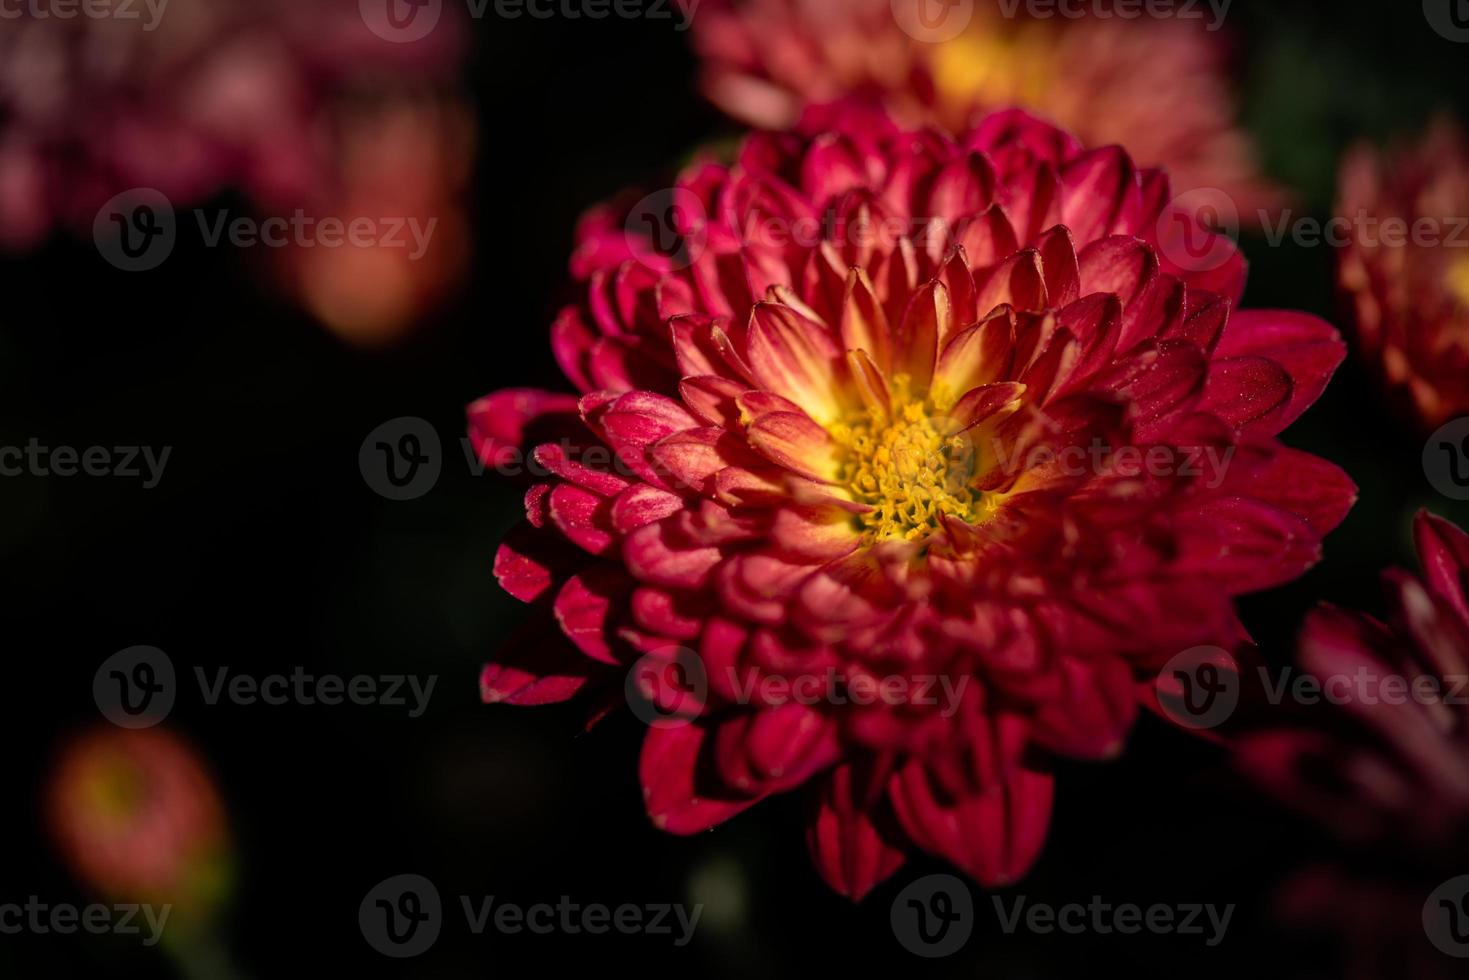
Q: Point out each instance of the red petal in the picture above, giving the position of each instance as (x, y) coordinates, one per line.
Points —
(1250, 393)
(796, 358)
(584, 604)
(864, 324)
(1101, 194)
(994, 836)
(928, 318)
(1118, 265)
(537, 667)
(584, 517)
(852, 835)
(1093, 711)
(530, 561)
(792, 440)
(657, 555)
(1018, 281)
(679, 791)
(775, 748)
(1307, 348)
(1444, 551)
(712, 398)
(503, 424)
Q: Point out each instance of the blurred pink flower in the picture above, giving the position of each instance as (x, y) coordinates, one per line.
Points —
(137, 817)
(267, 97)
(1388, 775)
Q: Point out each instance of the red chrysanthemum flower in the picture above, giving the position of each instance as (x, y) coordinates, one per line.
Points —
(137, 816)
(1157, 86)
(1387, 773)
(902, 419)
(1405, 269)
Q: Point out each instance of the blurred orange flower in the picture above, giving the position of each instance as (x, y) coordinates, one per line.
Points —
(1155, 86)
(403, 164)
(1405, 268)
(137, 817)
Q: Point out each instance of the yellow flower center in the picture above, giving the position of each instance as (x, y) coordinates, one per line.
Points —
(114, 791)
(911, 467)
(1457, 279)
(992, 67)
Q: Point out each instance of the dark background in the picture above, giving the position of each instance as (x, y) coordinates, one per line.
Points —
(263, 549)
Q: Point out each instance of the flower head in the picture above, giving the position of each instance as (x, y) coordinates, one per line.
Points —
(137, 816)
(1405, 268)
(919, 452)
(1387, 773)
(1156, 86)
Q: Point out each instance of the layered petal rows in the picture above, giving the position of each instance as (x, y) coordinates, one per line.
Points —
(897, 462)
